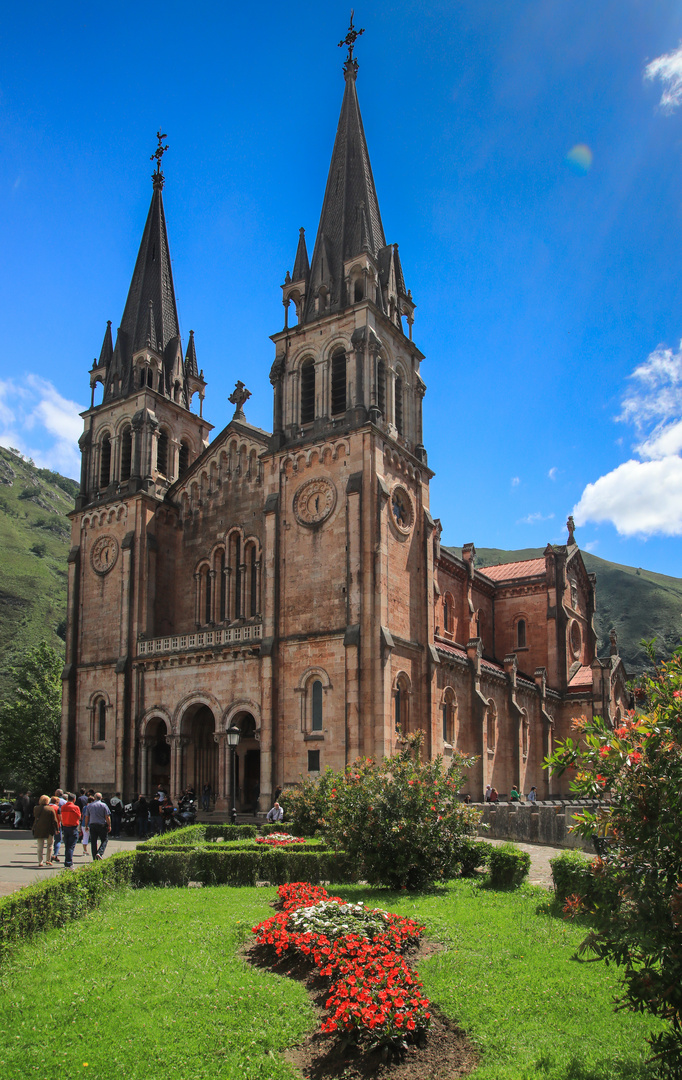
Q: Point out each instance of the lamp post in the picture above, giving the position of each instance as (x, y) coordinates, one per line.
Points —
(233, 734)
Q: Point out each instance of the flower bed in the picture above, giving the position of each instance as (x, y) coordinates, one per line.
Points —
(280, 839)
(375, 998)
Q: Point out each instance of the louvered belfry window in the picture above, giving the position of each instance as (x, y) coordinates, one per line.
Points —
(308, 392)
(338, 383)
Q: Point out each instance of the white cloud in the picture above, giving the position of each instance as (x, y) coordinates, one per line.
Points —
(667, 68)
(644, 497)
(515, 481)
(38, 421)
(639, 498)
(552, 474)
(592, 546)
(533, 519)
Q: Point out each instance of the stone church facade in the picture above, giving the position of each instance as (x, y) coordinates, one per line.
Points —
(292, 583)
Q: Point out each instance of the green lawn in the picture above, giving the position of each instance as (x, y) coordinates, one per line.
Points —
(149, 986)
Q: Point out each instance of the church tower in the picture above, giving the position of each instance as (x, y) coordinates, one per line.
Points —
(142, 435)
(354, 617)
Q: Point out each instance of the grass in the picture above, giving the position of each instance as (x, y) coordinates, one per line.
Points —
(150, 984)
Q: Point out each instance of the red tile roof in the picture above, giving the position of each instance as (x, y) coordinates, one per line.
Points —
(582, 677)
(511, 570)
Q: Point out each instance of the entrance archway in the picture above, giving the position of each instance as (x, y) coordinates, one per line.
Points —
(200, 751)
(247, 764)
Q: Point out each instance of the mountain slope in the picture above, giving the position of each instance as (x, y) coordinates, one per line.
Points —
(638, 603)
(34, 544)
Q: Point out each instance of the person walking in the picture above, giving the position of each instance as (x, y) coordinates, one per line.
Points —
(85, 832)
(533, 795)
(98, 820)
(44, 828)
(56, 804)
(71, 818)
(206, 798)
(142, 817)
(116, 807)
(487, 792)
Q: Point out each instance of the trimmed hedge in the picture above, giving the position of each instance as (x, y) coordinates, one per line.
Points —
(279, 826)
(473, 855)
(593, 880)
(240, 867)
(508, 865)
(58, 900)
(197, 834)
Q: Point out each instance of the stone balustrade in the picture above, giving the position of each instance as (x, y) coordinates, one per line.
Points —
(249, 633)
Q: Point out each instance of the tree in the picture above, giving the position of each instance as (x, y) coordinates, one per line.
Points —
(635, 771)
(30, 722)
(401, 818)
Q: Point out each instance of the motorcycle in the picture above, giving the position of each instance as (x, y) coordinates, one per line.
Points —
(6, 815)
(186, 813)
(129, 820)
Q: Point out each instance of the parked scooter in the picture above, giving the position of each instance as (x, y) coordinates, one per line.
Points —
(186, 813)
(6, 815)
(129, 820)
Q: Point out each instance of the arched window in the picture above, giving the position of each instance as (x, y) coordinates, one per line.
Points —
(235, 577)
(316, 706)
(160, 382)
(105, 462)
(126, 452)
(381, 387)
(399, 405)
(207, 595)
(448, 713)
(143, 376)
(162, 454)
(183, 458)
(448, 614)
(308, 392)
(222, 588)
(521, 634)
(254, 581)
(401, 704)
(491, 726)
(358, 291)
(338, 383)
(150, 378)
(101, 721)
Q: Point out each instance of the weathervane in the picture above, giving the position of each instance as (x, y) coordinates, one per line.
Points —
(158, 176)
(350, 38)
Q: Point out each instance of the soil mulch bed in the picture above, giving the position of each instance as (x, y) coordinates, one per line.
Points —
(446, 1052)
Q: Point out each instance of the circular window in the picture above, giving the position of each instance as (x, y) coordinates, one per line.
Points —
(576, 639)
(402, 514)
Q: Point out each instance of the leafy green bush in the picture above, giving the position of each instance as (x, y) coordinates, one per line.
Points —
(508, 865)
(31, 721)
(572, 876)
(57, 900)
(473, 854)
(636, 772)
(308, 805)
(399, 819)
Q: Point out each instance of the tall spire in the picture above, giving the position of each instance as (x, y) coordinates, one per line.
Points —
(350, 221)
(301, 264)
(152, 284)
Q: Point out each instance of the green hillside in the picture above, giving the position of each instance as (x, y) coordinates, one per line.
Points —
(638, 603)
(34, 544)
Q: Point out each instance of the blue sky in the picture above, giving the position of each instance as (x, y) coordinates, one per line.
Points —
(547, 279)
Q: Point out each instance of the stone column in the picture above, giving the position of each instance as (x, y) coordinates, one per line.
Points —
(223, 793)
(145, 745)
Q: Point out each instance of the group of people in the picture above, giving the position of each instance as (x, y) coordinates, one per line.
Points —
(155, 815)
(64, 818)
(492, 795)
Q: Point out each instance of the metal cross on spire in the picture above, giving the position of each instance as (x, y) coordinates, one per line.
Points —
(350, 38)
(158, 176)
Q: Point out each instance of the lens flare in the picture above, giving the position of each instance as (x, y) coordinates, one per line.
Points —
(579, 158)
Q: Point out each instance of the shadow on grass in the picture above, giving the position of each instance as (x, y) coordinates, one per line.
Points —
(547, 1068)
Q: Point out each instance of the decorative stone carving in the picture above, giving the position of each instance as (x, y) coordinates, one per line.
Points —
(104, 554)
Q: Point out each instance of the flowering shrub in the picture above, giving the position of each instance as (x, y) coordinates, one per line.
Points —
(636, 772)
(400, 819)
(374, 996)
(280, 839)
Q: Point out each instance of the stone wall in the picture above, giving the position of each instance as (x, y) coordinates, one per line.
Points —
(545, 823)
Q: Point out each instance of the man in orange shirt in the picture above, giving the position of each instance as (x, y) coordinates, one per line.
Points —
(71, 817)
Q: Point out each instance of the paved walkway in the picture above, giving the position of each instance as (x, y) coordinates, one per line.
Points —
(19, 860)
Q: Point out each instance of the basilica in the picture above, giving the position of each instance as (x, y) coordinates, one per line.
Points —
(290, 587)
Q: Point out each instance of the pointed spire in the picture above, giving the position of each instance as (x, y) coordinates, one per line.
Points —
(152, 284)
(191, 357)
(350, 221)
(107, 352)
(301, 264)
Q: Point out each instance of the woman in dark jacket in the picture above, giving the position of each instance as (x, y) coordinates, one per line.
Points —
(44, 828)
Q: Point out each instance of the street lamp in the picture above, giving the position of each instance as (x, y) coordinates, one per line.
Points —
(233, 734)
